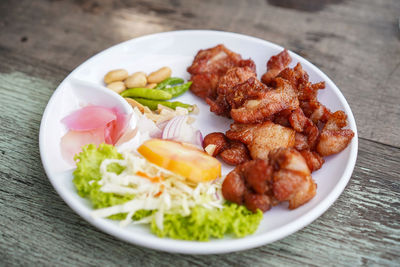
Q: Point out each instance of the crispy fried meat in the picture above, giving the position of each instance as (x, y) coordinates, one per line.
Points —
(249, 89)
(301, 124)
(204, 84)
(275, 65)
(216, 60)
(233, 187)
(219, 140)
(267, 103)
(231, 151)
(226, 85)
(260, 184)
(235, 154)
(250, 183)
(211, 64)
(313, 159)
(333, 138)
(262, 138)
(291, 178)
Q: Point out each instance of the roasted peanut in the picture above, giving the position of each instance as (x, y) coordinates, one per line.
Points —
(115, 76)
(151, 85)
(117, 87)
(138, 79)
(159, 75)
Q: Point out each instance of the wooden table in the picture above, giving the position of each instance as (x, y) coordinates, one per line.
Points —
(357, 43)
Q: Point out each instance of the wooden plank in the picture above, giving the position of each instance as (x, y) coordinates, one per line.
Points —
(354, 42)
(38, 228)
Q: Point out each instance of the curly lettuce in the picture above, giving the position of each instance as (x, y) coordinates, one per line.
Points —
(87, 174)
(203, 224)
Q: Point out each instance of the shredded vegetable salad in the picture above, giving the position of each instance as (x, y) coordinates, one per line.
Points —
(154, 189)
(129, 188)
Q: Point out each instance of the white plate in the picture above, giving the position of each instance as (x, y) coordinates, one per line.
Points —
(176, 50)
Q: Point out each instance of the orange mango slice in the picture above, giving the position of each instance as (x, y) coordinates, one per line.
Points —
(180, 158)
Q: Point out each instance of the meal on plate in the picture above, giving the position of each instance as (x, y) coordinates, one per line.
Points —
(153, 166)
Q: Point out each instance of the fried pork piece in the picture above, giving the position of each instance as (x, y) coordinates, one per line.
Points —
(235, 154)
(209, 65)
(313, 159)
(282, 117)
(291, 178)
(333, 138)
(262, 138)
(250, 89)
(233, 77)
(226, 84)
(275, 65)
(307, 93)
(232, 152)
(217, 60)
(316, 111)
(267, 103)
(204, 84)
(299, 79)
(304, 125)
(250, 183)
(233, 187)
(219, 140)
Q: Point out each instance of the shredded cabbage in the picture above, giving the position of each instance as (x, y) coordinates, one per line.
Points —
(127, 187)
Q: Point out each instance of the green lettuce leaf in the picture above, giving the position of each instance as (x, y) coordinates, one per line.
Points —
(88, 169)
(203, 224)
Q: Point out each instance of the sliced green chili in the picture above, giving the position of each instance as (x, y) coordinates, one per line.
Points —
(147, 93)
(153, 104)
(169, 81)
(178, 90)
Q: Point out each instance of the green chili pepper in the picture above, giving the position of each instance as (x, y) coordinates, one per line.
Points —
(153, 104)
(146, 93)
(177, 90)
(169, 81)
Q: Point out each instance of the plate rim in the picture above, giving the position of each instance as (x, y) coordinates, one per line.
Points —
(185, 247)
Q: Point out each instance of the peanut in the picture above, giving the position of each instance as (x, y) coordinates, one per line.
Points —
(159, 75)
(115, 76)
(117, 87)
(151, 85)
(138, 79)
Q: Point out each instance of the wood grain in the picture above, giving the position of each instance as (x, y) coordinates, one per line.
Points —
(357, 43)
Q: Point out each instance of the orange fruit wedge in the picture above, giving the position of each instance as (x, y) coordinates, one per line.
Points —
(180, 158)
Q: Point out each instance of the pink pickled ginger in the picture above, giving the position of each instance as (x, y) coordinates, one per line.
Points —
(89, 118)
(91, 125)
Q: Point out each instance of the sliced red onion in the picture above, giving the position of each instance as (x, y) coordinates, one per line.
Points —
(179, 130)
(198, 138)
(162, 125)
(173, 128)
(157, 133)
(217, 195)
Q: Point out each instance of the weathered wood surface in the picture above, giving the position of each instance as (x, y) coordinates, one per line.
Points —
(357, 43)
